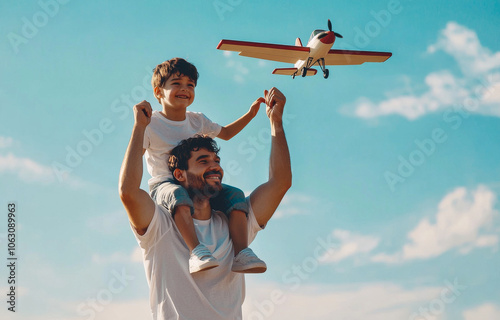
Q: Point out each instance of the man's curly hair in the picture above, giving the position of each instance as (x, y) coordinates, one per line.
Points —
(180, 155)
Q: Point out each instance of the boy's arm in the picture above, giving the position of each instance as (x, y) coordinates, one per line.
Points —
(229, 131)
(266, 198)
(138, 204)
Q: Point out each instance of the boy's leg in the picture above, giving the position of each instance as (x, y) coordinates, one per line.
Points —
(245, 260)
(176, 199)
(184, 222)
(238, 230)
(232, 201)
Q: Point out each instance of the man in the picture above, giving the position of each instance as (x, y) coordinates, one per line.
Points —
(217, 293)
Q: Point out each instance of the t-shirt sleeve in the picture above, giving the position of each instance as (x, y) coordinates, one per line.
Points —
(253, 225)
(159, 225)
(208, 127)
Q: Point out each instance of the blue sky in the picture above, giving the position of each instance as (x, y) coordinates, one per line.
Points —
(393, 213)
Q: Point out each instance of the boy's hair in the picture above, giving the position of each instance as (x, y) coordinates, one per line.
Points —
(171, 67)
(180, 155)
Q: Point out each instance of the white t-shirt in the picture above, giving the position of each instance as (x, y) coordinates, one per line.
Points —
(162, 135)
(174, 293)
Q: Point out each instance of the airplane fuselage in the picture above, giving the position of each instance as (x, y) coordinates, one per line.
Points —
(319, 45)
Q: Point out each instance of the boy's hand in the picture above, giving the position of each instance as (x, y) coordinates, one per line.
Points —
(275, 103)
(142, 113)
(254, 108)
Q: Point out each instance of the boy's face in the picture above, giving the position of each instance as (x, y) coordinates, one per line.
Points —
(178, 92)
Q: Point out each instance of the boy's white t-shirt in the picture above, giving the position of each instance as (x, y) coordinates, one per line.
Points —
(162, 135)
(174, 293)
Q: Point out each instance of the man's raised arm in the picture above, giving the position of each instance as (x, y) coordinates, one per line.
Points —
(139, 205)
(266, 198)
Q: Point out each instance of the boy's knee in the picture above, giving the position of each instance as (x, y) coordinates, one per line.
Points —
(234, 193)
(239, 194)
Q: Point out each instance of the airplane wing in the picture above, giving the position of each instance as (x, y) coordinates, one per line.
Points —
(350, 57)
(266, 51)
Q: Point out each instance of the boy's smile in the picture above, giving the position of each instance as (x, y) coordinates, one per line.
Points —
(177, 93)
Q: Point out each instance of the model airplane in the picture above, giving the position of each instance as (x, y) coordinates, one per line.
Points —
(318, 51)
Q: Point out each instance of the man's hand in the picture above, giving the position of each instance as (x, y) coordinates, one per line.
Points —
(266, 198)
(275, 103)
(142, 113)
(137, 202)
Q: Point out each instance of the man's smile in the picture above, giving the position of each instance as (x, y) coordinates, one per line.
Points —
(213, 175)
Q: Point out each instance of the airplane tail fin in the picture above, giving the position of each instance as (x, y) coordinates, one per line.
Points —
(298, 43)
(291, 71)
(285, 71)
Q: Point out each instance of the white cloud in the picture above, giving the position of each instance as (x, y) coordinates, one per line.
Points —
(463, 44)
(489, 93)
(387, 258)
(137, 255)
(109, 223)
(487, 311)
(5, 142)
(351, 245)
(31, 171)
(462, 221)
(236, 67)
(126, 310)
(461, 216)
(26, 169)
(374, 301)
(443, 89)
(118, 257)
(294, 204)
(51, 296)
(123, 310)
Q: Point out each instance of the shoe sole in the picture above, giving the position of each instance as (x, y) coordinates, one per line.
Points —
(207, 266)
(256, 269)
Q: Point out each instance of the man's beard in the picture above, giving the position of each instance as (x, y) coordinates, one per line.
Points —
(198, 187)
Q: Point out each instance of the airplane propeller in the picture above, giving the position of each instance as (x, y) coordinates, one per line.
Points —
(338, 35)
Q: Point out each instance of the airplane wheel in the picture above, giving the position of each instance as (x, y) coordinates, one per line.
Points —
(304, 72)
(326, 73)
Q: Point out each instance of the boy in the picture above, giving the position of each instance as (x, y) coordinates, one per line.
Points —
(173, 83)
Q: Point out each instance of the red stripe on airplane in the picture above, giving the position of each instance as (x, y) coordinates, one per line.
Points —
(361, 53)
(262, 45)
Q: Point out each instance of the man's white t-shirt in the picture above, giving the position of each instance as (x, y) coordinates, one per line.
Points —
(162, 135)
(174, 293)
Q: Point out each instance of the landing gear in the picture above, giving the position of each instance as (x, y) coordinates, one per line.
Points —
(321, 63)
(306, 66)
(326, 72)
(304, 72)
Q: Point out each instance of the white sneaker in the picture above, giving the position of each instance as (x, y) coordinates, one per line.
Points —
(247, 262)
(201, 259)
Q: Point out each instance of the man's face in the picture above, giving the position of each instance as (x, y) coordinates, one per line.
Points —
(204, 174)
(178, 92)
